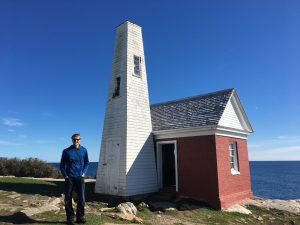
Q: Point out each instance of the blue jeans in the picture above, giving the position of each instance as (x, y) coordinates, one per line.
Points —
(71, 184)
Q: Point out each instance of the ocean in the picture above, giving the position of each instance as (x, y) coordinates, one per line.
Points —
(269, 179)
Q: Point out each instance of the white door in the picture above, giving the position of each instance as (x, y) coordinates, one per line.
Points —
(112, 164)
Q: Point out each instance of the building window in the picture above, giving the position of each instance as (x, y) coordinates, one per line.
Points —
(117, 87)
(137, 65)
(234, 165)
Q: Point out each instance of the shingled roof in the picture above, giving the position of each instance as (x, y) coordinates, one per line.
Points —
(201, 110)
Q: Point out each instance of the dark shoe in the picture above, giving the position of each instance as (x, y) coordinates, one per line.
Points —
(81, 220)
(70, 222)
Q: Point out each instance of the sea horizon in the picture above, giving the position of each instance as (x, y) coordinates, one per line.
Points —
(269, 179)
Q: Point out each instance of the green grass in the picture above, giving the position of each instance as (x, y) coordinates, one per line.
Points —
(31, 186)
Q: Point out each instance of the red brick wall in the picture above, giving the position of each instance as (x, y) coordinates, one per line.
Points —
(232, 188)
(197, 169)
(204, 170)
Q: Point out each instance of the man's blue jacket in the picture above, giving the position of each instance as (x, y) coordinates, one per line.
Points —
(74, 162)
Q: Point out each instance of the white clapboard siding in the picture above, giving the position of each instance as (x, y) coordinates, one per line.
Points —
(128, 119)
(114, 128)
(230, 117)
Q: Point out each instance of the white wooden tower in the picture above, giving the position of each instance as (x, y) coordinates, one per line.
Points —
(127, 160)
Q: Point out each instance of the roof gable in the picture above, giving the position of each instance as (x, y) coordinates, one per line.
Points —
(234, 115)
(197, 111)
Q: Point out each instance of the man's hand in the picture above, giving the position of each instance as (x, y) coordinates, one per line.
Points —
(83, 175)
(66, 177)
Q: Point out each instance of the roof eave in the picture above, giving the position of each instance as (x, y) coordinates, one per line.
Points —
(201, 131)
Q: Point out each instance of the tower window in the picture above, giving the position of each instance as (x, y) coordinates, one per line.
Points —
(117, 87)
(137, 65)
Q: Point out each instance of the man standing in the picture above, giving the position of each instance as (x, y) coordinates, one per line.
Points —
(73, 166)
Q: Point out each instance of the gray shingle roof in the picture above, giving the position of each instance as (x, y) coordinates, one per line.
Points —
(201, 110)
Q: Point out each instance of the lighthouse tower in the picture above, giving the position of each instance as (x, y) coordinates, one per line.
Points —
(127, 160)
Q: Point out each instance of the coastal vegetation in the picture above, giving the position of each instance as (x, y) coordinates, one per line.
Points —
(31, 167)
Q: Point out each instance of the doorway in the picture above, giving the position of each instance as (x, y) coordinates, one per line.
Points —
(167, 164)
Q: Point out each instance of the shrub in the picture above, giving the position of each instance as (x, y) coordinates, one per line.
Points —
(31, 167)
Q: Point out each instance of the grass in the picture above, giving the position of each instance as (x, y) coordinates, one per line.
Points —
(42, 190)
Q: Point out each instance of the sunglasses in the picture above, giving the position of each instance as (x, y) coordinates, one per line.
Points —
(76, 139)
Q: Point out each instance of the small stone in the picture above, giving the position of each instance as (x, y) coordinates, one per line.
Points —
(106, 209)
(260, 218)
(142, 205)
(170, 209)
(158, 216)
(15, 195)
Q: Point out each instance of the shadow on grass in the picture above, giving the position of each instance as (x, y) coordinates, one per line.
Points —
(21, 187)
(53, 188)
(21, 218)
(56, 188)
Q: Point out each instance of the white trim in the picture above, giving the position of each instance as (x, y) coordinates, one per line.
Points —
(201, 131)
(159, 162)
(241, 114)
(233, 158)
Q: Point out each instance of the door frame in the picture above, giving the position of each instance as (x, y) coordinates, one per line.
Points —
(159, 162)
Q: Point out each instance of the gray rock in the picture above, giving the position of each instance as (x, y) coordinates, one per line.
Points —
(239, 209)
(142, 206)
(126, 208)
(15, 195)
(33, 211)
(170, 209)
(260, 218)
(107, 209)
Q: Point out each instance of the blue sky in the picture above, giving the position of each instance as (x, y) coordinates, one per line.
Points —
(55, 60)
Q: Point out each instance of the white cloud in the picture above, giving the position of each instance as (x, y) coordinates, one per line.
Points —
(279, 140)
(282, 137)
(7, 143)
(12, 122)
(283, 147)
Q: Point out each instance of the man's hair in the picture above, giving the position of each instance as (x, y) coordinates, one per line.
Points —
(75, 135)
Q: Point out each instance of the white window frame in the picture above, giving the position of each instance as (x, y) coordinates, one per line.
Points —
(138, 65)
(159, 145)
(233, 155)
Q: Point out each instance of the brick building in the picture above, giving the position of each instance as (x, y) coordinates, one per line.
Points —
(197, 145)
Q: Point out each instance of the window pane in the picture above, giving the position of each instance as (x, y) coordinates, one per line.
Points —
(117, 87)
(233, 156)
(137, 65)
